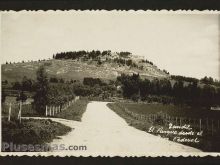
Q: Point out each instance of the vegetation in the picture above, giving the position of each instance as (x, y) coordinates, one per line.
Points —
(192, 94)
(75, 111)
(31, 131)
(123, 58)
(210, 81)
(155, 117)
(41, 95)
(183, 78)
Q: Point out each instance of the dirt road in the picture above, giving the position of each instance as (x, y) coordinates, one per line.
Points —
(104, 133)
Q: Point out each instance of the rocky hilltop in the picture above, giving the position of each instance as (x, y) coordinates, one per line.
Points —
(77, 65)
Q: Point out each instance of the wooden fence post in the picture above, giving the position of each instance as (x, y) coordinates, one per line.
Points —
(46, 110)
(53, 110)
(9, 112)
(19, 113)
(50, 111)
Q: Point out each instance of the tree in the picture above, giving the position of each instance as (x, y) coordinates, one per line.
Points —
(21, 97)
(3, 96)
(42, 86)
(130, 85)
(207, 80)
(208, 95)
(192, 92)
(54, 80)
(61, 80)
(26, 84)
(17, 85)
(144, 88)
(165, 87)
(178, 92)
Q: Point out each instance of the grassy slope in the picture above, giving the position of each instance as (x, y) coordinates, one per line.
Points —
(75, 111)
(32, 131)
(69, 69)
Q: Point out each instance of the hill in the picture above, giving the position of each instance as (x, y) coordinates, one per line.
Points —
(104, 67)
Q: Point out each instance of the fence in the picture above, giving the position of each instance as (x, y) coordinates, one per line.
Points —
(10, 110)
(52, 110)
(207, 125)
(16, 110)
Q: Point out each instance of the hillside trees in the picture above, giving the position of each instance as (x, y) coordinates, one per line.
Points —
(124, 54)
(130, 85)
(179, 92)
(58, 94)
(92, 81)
(41, 95)
(144, 89)
(27, 84)
(210, 81)
(162, 91)
(183, 78)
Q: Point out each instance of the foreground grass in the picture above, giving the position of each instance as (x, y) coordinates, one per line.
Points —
(207, 142)
(75, 111)
(32, 131)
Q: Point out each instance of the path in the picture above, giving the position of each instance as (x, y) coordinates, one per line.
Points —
(105, 133)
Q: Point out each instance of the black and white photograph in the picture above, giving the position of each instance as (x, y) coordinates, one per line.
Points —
(110, 83)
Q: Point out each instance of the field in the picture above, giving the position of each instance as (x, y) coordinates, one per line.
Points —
(75, 111)
(31, 131)
(172, 110)
(71, 69)
(144, 116)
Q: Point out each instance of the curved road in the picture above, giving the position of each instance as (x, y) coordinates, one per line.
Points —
(106, 134)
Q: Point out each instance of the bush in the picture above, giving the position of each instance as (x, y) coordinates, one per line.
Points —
(31, 131)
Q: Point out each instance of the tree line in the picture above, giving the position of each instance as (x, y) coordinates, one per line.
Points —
(79, 54)
(205, 80)
(192, 93)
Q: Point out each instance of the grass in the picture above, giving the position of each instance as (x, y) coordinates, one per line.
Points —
(172, 110)
(35, 131)
(32, 131)
(75, 111)
(27, 110)
(69, 69)
(207, 142)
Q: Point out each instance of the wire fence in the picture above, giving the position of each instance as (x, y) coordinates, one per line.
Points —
(207, 125)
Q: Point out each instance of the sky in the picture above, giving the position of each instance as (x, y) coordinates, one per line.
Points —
(183, 44)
